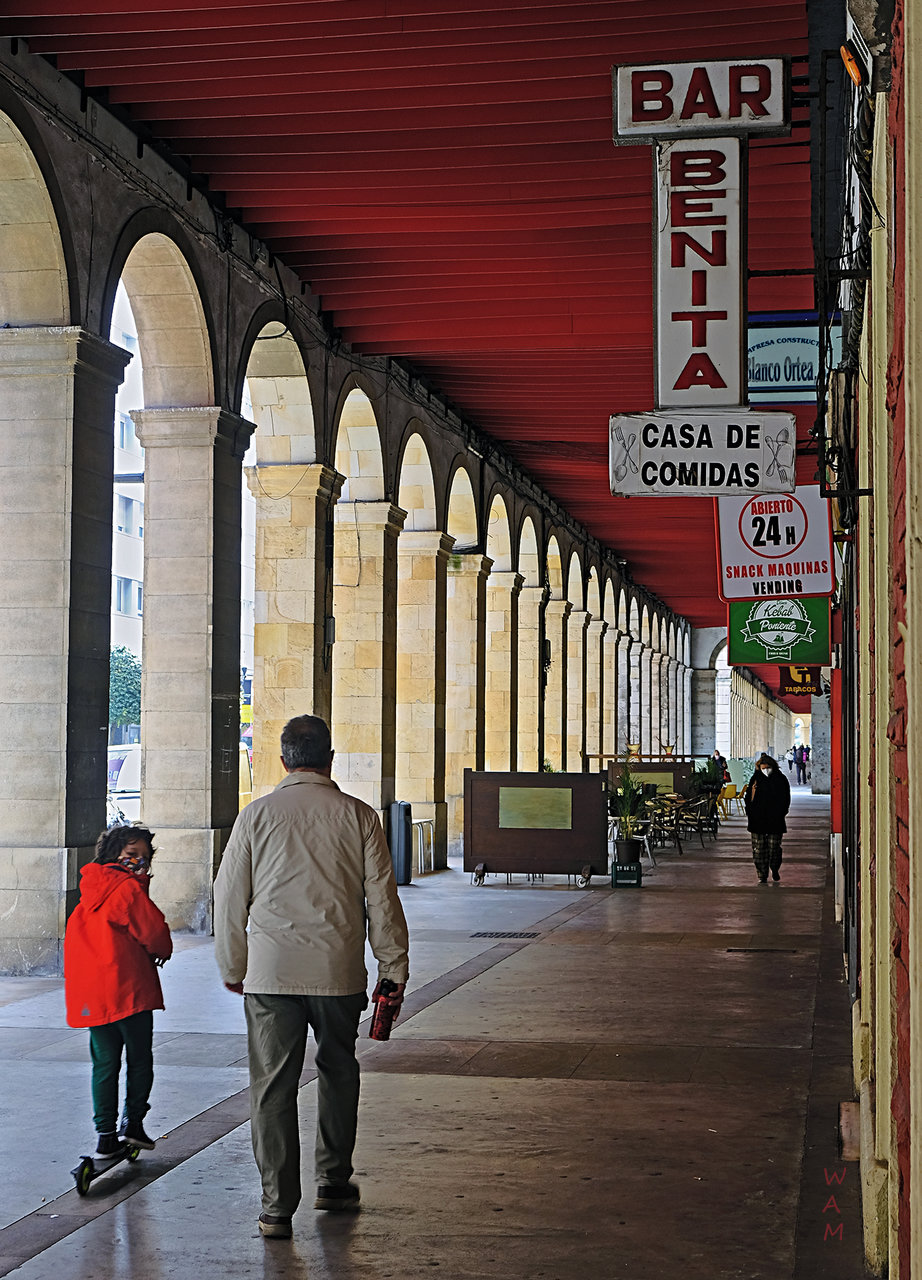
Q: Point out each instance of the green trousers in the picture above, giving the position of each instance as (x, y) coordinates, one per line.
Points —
(137, 1035)
(277, 1029)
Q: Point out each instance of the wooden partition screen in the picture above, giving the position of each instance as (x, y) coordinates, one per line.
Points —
(537, 823)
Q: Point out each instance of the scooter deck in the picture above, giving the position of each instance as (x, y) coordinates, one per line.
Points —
(92, 1167)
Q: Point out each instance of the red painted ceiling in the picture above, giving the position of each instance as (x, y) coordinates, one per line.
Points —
(442, 174)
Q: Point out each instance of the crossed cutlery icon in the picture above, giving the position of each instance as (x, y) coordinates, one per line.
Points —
(780, 461)
(625, 462)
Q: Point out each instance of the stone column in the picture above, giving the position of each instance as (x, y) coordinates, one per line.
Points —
(365, 653)
(704, 710)
(422, 563)
(555, 694)
(687, 710)
(190, 685)
(820, 746)
(610, 692)
(646, 698)
(465, 678)
(623, 717)
(595, 692)
(637, 694)
(576, 711)
(502, 670)
(532, 679)
(657, 697)
(673, 707)
(56, 466)
(294, 631)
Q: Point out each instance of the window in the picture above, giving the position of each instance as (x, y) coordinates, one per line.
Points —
(140, 598)
(123, 595)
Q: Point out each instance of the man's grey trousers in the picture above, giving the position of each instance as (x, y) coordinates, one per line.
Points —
(277, 1029)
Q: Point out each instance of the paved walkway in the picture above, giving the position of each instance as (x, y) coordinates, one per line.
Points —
(645, 1085)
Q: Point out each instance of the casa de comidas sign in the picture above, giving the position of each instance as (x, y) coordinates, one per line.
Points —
(679, 454)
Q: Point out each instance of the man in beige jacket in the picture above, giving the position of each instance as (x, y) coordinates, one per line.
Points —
(308, 867)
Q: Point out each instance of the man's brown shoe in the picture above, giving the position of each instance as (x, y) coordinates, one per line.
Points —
(337, 1198)
(279, 1228)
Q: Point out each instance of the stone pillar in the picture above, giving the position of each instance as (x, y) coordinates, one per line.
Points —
(820, 763)
(555, 694)
(704, 711)
(610, 692)
(576, 711)
(365, 653)
(294, 600)
(56, 454)
(190, 684)
(636, 700)
(465, 677)
(646, 699)
(422, 563)
(532, 679)
(687, 710)
(672, 727)
(623, 717)
(502, 670)
(657, 699)
(595, 692)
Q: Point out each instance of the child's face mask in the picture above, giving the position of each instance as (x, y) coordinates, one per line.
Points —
(135, 857)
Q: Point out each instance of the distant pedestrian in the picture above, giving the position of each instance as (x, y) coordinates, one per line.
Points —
(789, 756)
(114, 939)
(800, 764)
(721, 763)
(767, 799)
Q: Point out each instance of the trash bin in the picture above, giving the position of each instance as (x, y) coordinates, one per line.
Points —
(400, 839)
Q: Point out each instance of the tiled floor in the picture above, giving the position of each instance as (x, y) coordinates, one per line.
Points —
(626, 1094)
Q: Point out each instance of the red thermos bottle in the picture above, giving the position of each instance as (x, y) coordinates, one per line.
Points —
(385, 1011)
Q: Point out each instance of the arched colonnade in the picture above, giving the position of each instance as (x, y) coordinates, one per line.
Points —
(412, 584)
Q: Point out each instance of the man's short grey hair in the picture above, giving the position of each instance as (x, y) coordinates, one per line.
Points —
(306, 743)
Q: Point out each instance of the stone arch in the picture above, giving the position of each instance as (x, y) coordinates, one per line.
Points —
(33, 269)
(575, 591)
(530, 636)
(610, 604)
(499, 535)
(280, 396)
(593, 593)
(416, 486)
(633, 618)
(554, 568)
(462, 523)
(529, 561)
(173, 335)
(357, 451)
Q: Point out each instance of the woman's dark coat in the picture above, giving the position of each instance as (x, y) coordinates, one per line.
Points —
(767, 800)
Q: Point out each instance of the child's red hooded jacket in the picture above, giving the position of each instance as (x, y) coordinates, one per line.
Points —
(110, 943)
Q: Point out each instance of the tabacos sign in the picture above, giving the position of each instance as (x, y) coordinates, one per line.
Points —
(694, 114)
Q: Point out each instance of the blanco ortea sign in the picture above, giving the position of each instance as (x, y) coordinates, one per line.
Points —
(775, 546)
(681, 455)
(672, 99)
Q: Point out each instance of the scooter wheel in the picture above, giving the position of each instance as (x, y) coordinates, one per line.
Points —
(132, 1153)
(83, 1176)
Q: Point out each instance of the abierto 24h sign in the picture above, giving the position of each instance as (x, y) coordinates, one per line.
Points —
(680, 453)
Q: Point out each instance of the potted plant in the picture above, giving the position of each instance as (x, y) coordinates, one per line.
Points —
(626, 804)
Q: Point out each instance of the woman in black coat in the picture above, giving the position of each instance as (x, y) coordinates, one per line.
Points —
(767, 799)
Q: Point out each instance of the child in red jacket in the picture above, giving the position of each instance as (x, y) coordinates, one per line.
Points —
(114, 939)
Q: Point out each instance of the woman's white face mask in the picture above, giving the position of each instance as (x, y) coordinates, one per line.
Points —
(766, 770)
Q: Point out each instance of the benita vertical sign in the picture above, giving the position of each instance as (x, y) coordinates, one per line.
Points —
(699, 274)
